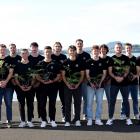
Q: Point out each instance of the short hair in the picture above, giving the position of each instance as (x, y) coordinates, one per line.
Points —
(105, 47)
(58, 43)
(128, 44)
(24, 50)
(95, 47)
(119, 44)
(2, 45)
(79, 40)
(13, 45)
(35, 44)
(72, 47)
(48, 47)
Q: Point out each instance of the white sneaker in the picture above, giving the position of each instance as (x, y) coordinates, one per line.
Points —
(63, 119)
(22, 124)
(137, 117)
(123, 117)
(98, 122)
(77, 123)
(89, 122)
(129, 122)
(109, 122)
(67, 124)
(43, 124)
(53, 124)
(30, 124)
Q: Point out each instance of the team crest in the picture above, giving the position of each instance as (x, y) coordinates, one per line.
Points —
(51, 67)
(77, 65)
(100, 64)
(84, 58)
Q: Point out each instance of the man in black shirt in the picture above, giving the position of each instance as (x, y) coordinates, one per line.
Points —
(60, 58)
(25, 80)
(13, 58)
(107, 81)
(132, 80)
(95, 73)
(83, 57)
(118, 70)
(34, 58)
(72, 74)
(48, 75)
(6, 73)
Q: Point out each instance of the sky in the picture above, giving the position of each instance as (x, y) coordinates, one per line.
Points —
(48, 21)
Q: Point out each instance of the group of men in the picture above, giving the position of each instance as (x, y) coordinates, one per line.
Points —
(78, 75)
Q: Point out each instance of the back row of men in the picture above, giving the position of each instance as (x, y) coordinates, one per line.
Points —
(79, 75)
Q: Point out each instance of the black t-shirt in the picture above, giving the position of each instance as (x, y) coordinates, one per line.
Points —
(4, 69)
(83, 57)
(13, 60)
(119, 66)
(138, 60)
(60, 59)
(95, 68)
(138, 63)
(48, 70)
(24, 72)
(132, 70)
(106, 62)
(35, 60)
(72, 70)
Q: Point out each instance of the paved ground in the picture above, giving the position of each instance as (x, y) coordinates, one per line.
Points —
(119, 131)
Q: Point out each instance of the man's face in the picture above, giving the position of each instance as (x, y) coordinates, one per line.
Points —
(2, 51)
(34, 49)
(24, 54)
(128, 49)
(118, 49)
(95, 52)
(47, 53)
(71, 52)
(12, 49)
(79, 45)
(103, 51)
(57, 48)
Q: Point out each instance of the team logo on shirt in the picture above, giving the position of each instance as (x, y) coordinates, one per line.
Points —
(51, 67)
(61, 61)
(84, 58)
(100, 64)
(76, 65)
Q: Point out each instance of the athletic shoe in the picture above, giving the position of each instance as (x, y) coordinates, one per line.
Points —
(89, 122)
(129, 122)
(53, 124)
(77, 123)
(22, 124)
(109, 122)
(67, 124)
(43, 124)
(98, 122)
(30, 124)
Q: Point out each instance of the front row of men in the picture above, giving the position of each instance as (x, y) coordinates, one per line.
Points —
(77, 76)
